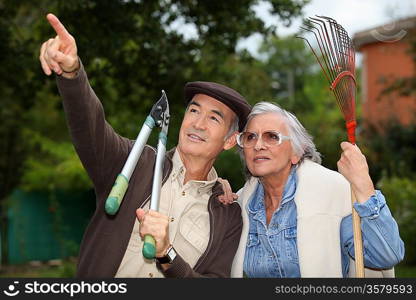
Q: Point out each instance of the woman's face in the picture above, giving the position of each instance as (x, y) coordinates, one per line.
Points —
(264, 160)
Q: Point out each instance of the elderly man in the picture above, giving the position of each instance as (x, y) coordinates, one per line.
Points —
(195, 234)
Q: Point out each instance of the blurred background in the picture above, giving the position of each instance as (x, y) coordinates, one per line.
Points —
(133, 49)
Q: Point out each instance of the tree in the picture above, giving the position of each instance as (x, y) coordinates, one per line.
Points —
(290, 64)
(392, 153)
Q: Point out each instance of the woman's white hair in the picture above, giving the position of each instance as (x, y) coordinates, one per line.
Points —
(300, 139)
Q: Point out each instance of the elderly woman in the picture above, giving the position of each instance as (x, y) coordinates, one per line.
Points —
(297, 214)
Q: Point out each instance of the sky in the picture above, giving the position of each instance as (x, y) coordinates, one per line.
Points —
(353, 15)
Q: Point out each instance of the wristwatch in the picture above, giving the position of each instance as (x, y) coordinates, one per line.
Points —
(169, 257)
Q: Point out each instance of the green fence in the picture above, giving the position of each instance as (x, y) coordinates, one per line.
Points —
(44, 226)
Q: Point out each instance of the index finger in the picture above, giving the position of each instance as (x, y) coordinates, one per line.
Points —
(58, 27)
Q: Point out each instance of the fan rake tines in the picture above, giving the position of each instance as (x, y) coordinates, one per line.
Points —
(336, 56)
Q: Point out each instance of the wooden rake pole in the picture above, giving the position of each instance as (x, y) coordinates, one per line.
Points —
(337, 60)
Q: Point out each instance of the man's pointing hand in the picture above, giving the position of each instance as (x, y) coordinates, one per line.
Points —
(59, 54)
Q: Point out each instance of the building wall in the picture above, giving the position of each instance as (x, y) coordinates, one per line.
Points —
(382, 64)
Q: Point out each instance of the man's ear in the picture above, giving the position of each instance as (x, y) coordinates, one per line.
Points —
(231, 141)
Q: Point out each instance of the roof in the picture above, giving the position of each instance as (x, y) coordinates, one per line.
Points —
(389, 33)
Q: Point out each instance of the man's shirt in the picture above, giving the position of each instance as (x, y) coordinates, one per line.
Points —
(186, 205)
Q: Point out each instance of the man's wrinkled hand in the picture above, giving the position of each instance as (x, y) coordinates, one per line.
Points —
(156, 225)
(59, 54)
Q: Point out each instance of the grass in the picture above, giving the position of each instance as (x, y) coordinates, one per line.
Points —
(405, 271)
(68, 267)
(65, 270)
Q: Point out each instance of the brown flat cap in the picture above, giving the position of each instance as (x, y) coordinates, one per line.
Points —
(237, 103)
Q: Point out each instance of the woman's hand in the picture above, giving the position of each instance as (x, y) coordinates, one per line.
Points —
(228, 197)
(353, 165)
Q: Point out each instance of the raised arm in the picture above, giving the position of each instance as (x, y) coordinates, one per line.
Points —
(101, 150)
(383, 247)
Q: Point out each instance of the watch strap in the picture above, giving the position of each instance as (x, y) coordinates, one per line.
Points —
(169, 257)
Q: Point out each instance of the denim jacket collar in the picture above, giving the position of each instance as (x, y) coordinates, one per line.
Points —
(256, 204)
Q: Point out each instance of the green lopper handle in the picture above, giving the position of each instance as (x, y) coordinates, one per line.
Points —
(149, 247)
(116, 195)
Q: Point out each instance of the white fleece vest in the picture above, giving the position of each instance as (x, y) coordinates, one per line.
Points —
(323, 199)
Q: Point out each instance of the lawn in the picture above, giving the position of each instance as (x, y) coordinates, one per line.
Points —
(68, 267)
(403, 271)
(64, 270)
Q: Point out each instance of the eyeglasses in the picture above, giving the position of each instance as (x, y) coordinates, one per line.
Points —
(269, 138)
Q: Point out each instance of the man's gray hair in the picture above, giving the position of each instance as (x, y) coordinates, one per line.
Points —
(233, 127)
(300, 139)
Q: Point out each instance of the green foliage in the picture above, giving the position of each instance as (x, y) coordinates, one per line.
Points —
(393, 151)
(130, 52)
(56, 166)
(405, 271)
(289, 64)
(323, 120)
(400, 193)
(391, 156)
(230, 167)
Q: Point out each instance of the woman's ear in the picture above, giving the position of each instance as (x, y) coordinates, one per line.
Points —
(294, 159)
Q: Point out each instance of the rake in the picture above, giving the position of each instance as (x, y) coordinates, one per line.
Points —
(336, 56)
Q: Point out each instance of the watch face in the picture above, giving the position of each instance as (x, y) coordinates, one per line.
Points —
(172, 254)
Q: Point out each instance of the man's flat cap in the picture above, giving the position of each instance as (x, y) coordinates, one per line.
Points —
(237, 103)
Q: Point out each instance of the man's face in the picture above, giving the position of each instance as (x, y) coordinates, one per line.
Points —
(204, 127)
